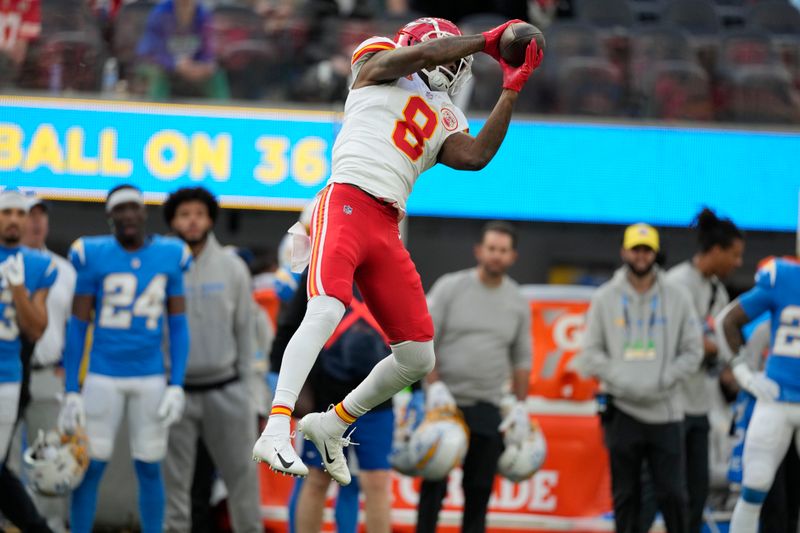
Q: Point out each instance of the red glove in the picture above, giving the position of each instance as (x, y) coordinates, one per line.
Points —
(514, 78)
(492, 46)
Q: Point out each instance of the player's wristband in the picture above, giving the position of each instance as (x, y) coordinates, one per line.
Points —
(73, 352)
(178, 347)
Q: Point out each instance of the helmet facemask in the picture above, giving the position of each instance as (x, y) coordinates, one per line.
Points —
(450, 78)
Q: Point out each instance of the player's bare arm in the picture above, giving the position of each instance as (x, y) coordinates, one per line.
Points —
(31, 311)
(82, 305)
(176, 305)
(462, 151)
(389, 65)
(732, 323)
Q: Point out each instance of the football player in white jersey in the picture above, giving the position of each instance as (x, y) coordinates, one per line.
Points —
(399, 121)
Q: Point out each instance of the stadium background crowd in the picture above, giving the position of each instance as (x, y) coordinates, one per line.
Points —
(723, 60)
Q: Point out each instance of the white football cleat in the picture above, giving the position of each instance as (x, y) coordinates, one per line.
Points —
(278, 453)
(331, 448)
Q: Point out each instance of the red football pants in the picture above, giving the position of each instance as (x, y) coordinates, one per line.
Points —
(354, 236)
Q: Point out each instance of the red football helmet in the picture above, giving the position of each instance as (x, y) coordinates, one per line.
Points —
(448, 78)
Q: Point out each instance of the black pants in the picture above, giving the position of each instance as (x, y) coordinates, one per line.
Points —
(480, 467)
(16, 504)
(695, 429)
(697, 474)
(631, 442)
(779, 513)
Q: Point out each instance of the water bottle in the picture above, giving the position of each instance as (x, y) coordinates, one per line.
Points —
(110, 75)
(56, 71)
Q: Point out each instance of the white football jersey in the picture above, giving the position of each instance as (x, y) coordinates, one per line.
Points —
(391, 132)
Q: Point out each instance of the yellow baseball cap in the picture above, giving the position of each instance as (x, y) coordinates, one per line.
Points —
(640, 235)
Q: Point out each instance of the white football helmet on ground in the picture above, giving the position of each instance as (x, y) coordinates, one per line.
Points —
(56, 463)
(519, 462)
(401, 458)
(439, 444)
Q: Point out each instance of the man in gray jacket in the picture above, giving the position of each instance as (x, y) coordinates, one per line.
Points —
(720, 249)
(218, 409)
(643, 338)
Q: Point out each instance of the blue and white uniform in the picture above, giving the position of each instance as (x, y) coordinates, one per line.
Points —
(126, 360)
(126, 367)
(40, 273)
(777, 291)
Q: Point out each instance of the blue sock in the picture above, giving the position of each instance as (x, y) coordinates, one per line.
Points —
(151, 496)
(293, 497)
(346, 511)
(84, 498)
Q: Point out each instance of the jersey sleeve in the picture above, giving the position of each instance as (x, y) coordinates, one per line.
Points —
(175, 278)
(85, 284)
(761, 297)
(366, 50)
(49, 274)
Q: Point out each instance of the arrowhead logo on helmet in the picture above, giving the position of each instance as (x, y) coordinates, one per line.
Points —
(448, 78)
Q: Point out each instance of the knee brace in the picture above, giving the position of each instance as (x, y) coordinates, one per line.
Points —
(414, 359)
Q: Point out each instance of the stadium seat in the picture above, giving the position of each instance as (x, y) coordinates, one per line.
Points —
(76, 56)
(777, 17)
(589, 86)
(678, 90)
(614, 15)
(242, 49)
(647, 11)
(651, 44)
(698, 17)
(763, 94)
(565, 39)
(782, 21)
(747, 47)
(613, 20)
(732, 13)
(69, 32)
(128, 28)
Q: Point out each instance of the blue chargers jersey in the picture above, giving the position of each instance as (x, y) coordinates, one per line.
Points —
(130, 290)
(40, 273)
(777, 290)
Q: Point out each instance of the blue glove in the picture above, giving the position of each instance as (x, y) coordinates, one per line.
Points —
(415, 410)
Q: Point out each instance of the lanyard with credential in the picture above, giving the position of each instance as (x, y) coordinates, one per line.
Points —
(628, 323)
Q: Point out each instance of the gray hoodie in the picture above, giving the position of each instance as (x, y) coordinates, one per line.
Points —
(220, 310)
(709, 297)
(663, 338)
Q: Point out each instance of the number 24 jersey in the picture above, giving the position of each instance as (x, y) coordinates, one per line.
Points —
(130, 290)
(392, 132)
(777, 290)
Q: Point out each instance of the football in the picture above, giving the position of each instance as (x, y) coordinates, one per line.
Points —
(515, 39)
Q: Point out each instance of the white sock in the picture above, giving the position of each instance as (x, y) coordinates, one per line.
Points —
(410, 361)
(745, 517)
(322, 316)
